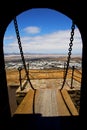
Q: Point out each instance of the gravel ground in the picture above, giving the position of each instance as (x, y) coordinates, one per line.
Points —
(75, 96)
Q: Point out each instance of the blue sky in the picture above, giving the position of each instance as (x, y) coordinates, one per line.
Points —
(42, 30)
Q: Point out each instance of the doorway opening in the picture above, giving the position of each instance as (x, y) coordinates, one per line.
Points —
(45, 36)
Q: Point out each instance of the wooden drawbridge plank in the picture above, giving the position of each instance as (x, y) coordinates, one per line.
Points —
(69, 102)
(26, 106)
(47, 102)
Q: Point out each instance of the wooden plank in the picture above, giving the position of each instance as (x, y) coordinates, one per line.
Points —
(49, 102)
(26, 106)
(69, 102)
(46, 102)
(62, 109)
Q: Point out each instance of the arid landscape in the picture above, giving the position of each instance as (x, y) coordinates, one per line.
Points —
(40, 66)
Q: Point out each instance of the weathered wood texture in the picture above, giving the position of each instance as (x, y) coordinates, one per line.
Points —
(47, 102)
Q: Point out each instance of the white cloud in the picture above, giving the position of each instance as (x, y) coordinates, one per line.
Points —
(32, 29)
(56, 42)
(8, 38)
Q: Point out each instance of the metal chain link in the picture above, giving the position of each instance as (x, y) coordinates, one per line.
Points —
(69, 53)
(21, 51)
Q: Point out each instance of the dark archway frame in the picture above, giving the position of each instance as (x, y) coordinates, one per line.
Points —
(74, 10)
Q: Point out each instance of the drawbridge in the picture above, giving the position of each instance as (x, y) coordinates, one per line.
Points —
(47, 98)
(47, 106)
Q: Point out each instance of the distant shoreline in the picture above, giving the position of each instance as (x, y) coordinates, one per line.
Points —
(31, 56)
(78, 54)
(50, 61)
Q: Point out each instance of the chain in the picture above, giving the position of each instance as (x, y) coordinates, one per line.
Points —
(21, 51)
(69, 53)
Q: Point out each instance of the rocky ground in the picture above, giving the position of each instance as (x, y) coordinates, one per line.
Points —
(75, 96)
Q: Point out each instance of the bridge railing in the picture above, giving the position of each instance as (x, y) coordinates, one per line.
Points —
(21, 78)
(74, 74)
